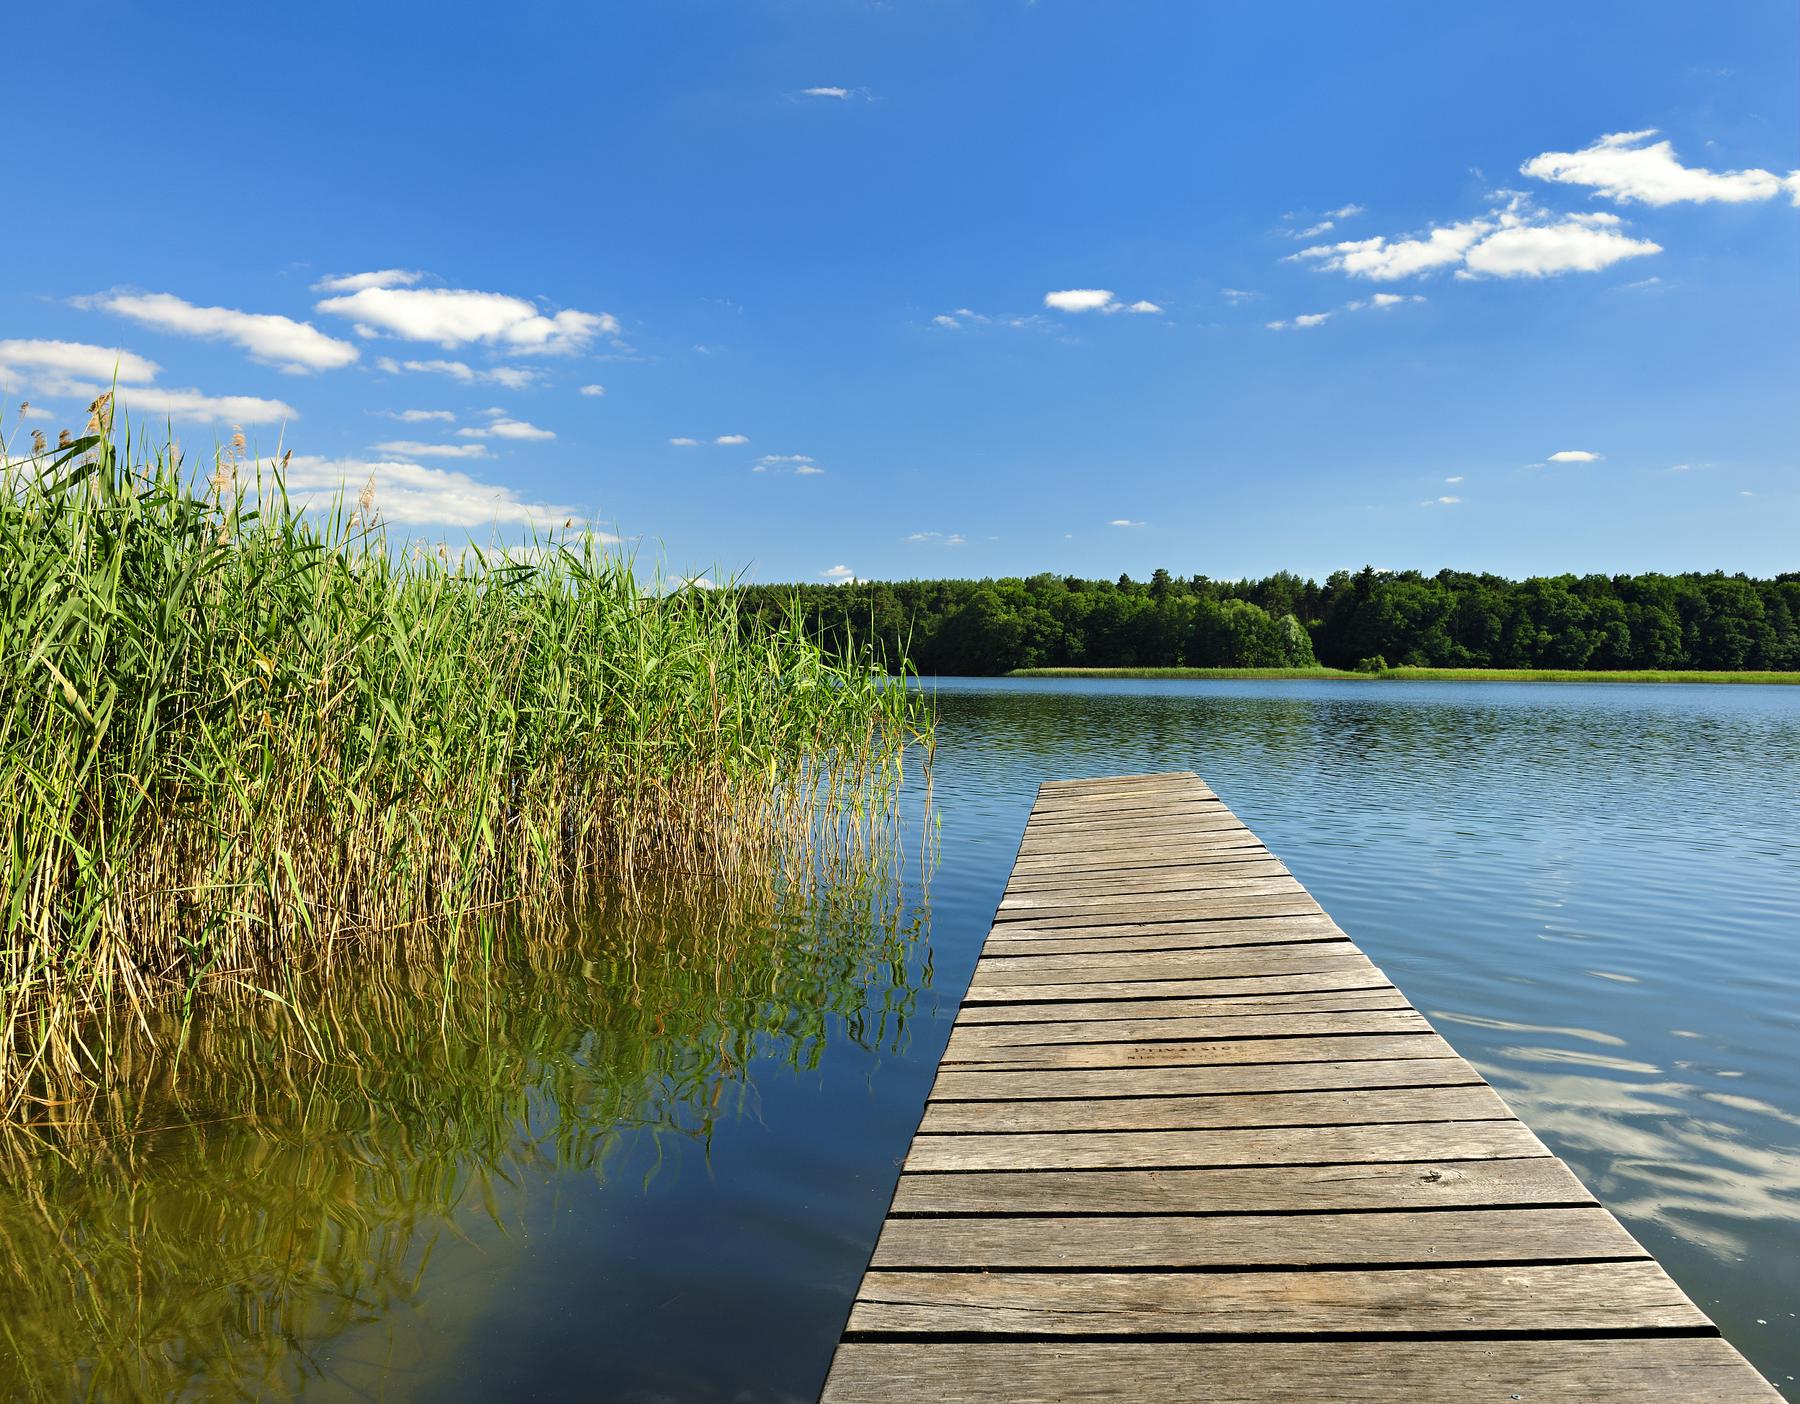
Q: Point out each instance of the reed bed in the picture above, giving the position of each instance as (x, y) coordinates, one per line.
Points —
(244, 740)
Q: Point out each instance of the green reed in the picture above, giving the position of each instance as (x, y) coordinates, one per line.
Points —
(243, 740)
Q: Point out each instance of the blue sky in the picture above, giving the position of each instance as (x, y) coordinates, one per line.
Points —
(974, 287)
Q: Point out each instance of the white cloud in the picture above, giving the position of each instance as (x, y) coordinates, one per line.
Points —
(505, 428)
(193, 406)
(1124, 522)
(356, 282)
(1574, 456)
(1305, 319)
(512, 377)
(944, 320)
(799, 464)
(937, 538)
(1324, 226)
(454, 317)
(593, 391)
(1081, 300)
(841, 574)
(1443, 502)
(732, 439)
(1456, 479)
(1238, 296)
(1579, 244)
(1381, 300)
(1511, 241)
(1143, 305)
(1346, 212)
(412, 448)
(1628, 166)
(685, 442)
(280, 341)
(410, 492)
(77, 358)
(419, 416)
(839, 93)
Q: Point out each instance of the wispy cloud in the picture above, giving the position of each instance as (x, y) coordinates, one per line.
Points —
(280, 341)
(511, 377)
(500, 425)
(412, 448)
(1441, 502)
(420, 416)
(732, 439)
(1628, 167)
(1456, 478)
(1124, 522)
(356, 282)
(593, 391)
(1237, 297)
(413, 493)
(685, 442)
(799, 464)
(1511, 241)
(1574, 456)
(839, 93)
(454, 317)
(937, 538)
(76, 370)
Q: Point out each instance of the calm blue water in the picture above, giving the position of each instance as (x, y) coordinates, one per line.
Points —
(661, 1179)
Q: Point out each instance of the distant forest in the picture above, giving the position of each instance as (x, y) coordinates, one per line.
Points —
(1366, 618)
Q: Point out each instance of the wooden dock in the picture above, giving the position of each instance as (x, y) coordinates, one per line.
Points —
(1188, 1143)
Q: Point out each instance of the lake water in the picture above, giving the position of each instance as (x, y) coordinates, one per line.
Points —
(649, 1162)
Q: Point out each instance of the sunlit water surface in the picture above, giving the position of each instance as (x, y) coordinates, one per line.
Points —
(651, 1165)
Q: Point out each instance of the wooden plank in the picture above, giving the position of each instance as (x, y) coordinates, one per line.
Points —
(1538, 1179)
(965, 1084)
(1614, 1297)
(1196, 893)
(1231, 849)
(1246, 986)
(1222, 1110)
(1224, 931)
(1082, 941)
(1331, 1001)
(979, 1038)
(1287, 1145)
(1606, 1371)
(1264, 1241)
(1171, 878)
(1205, 1053)
(1235, 962)
(1102, 837)
(1224, 909)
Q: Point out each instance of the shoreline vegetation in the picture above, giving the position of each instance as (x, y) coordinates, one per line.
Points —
(1548, 675)
(247, 746)
(1369, 621)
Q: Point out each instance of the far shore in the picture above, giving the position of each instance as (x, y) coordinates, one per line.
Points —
(1552, 675)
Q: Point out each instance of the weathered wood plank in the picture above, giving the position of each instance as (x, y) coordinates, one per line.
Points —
(1287, 1145)
(987, 1037)
(1238, 1110)
(1081, 942)
(1302, 959)
(1224, 908)
(963, 1084)
(1629, 1371)
(1233, 849)
(1021, 937)
(1256, 1001)
(1535, 1179)
(1624, 1296)
(1195, 893)
(1210, 988)
(1195, 877)
(1204, 1053)
(1264, 1241)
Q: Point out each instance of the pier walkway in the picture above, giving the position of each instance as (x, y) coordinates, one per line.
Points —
(1188, 1143)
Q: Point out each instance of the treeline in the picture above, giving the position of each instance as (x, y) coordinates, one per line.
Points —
(1364, 619)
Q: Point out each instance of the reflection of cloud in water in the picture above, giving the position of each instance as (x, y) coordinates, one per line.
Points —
(1704, 1181)
(1578, 1056)
(1476, 1021)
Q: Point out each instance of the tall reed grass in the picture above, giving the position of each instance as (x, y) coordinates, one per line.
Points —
(241, 738)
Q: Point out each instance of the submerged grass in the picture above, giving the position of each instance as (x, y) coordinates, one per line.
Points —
(243, 742)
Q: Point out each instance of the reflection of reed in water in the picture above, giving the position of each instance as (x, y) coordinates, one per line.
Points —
(203, 1232)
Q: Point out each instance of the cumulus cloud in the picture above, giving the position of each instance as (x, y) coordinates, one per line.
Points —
(279, 341)
(840, 574)
(412, 448)
(1628, 166)
(593, 391)
(732, 439)
(685, 442)
(512, 377)
(56, 368)
(1574, 456)
(77, 358)
(413, 493)
(1512, 241)
(454, 317)
(356, 282)
(1081, 300)
(1304, 320)
(799, 464)
(1143, 305)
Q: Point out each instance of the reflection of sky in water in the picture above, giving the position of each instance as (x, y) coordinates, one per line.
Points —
(1593, 891)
